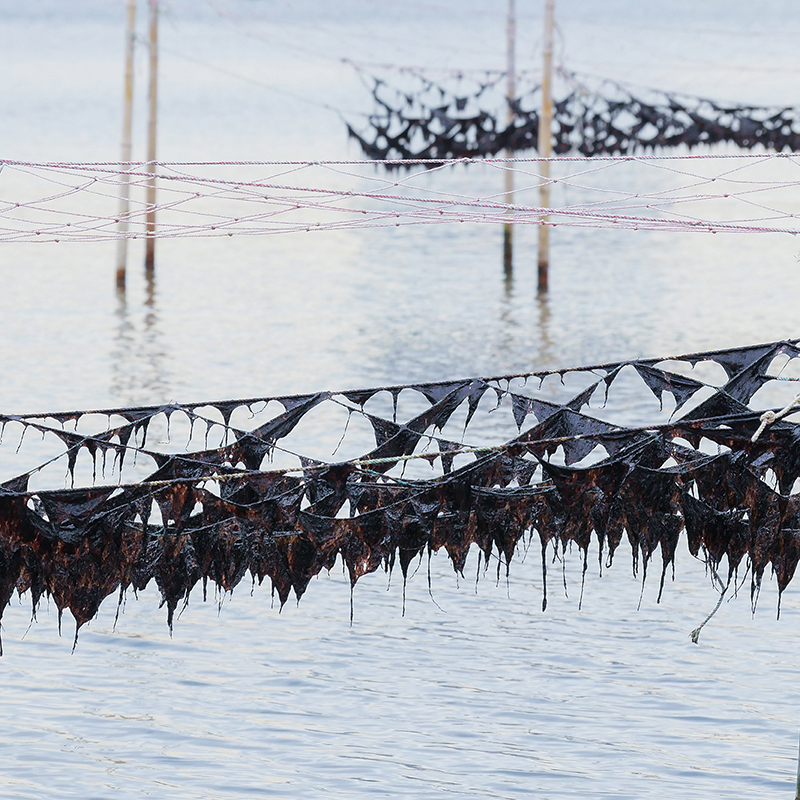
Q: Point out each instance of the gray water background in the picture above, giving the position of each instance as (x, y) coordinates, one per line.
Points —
(479, 694)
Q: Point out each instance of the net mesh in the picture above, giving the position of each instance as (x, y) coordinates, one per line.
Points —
(71, 202)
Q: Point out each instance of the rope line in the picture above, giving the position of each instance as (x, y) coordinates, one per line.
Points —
(77, 201)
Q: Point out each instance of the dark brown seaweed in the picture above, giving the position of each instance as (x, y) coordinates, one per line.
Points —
(648, 485)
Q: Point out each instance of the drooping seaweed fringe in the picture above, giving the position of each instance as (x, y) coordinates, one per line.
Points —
(567, 478)
(432, 120)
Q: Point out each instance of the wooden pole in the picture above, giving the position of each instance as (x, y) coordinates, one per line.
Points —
(511, 91)
(127, 122)
(150, 249)
(797, 790)
(545, 143)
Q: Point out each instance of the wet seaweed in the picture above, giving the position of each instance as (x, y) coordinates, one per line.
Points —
(568, 479)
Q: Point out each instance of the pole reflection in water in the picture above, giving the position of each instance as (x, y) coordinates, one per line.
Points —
(138, 359)
(508, 253)
(508, 261)
(545, 340)
(522, 320)
(509, 324)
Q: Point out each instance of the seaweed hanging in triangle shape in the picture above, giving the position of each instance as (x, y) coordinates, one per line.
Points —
(569, 479)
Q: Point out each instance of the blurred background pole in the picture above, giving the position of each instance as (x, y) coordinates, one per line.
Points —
(127, 121)
(545, 143)
(150, 250)
(508, 228)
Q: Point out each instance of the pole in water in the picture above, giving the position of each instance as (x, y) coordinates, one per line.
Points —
(511, 91)
(545, 144)
(797, 789)
(150, 222)
(127, 122)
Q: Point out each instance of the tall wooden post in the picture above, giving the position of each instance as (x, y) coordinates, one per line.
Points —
(511, 91)
(797, 791)
(545, 143)
(150, 250)
(127, 122)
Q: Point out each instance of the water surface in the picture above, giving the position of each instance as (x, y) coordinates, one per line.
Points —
(478, 694)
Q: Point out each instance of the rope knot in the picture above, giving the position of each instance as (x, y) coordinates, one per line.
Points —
(768, 417)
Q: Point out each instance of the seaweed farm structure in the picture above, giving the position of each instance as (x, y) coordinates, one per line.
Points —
(499, 463)
(417, 116)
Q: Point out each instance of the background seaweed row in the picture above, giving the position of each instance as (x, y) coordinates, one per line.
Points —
(428, 120)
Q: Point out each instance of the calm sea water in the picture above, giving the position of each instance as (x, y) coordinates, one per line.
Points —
(478, 694)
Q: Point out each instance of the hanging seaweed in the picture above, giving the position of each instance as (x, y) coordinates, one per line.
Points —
(719, 470)
(425, 119)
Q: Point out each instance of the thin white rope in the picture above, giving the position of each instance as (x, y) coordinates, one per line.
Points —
(195, 202)
(768, 417)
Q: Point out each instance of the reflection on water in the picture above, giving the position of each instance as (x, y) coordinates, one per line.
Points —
(508, 331)
(518, 309)
(139, 355)
(546, 349)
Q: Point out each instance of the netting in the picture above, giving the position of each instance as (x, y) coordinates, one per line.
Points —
(282, 487)
(62, 202)
(462, 118)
